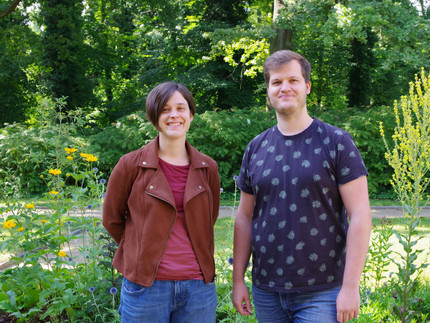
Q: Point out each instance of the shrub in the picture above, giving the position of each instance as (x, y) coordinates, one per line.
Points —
(25, 151)
(222, 135)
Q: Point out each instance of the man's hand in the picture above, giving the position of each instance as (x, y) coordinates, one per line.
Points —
(240, 299)
(347, 304)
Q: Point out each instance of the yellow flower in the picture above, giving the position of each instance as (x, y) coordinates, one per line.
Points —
(54, 171)
(91, 158)
(21, 229)
(9, 224)
(29, 206)
(54, 192)
(84, 155)
(67, 174)
(41, 176)
(70, 150)
(69, 157)
(61, 254)
(44, 221)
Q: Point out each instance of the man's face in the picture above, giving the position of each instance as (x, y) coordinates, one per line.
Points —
(287, 89)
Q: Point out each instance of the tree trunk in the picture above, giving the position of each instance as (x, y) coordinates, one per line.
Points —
(10, 9)
(283, 38)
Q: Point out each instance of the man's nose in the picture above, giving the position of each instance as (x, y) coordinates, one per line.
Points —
(285, 86)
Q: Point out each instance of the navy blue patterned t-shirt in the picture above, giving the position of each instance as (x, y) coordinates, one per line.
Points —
(299, 224)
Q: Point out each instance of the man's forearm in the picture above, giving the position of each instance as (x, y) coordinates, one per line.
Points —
(242, 247)
(357, 246)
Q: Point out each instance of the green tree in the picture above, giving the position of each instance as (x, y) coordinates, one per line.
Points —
(18, 53)
(64, 53)
(389, 39)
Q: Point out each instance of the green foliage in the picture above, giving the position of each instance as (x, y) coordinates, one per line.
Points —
(62, 252)
(127, 134)
(63, 53)
(378, 257)
(224, 229)
(106, 56)
(329, 33)
(26, 151)
(223, 135)
(16, 87)
(51, 274)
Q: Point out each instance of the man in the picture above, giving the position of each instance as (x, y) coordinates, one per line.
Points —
(304, 210)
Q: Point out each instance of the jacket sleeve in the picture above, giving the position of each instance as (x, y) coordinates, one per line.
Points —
(115, 207)
(214, 183)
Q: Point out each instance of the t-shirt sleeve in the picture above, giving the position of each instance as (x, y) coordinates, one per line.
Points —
(244, 180)
(350, 163)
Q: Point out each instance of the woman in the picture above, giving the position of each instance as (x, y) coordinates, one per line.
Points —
(160, 206)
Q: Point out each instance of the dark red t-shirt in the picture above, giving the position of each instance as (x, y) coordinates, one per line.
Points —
(179, 261)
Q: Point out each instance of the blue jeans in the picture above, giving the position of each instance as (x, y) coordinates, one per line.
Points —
(273, 307)
(168, 301)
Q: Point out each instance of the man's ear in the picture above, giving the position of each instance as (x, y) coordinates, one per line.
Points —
(308, 87)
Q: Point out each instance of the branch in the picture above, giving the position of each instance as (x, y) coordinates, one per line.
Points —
(10, 9)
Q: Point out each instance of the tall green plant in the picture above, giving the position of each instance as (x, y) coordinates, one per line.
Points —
(378, 258)
(410, 159)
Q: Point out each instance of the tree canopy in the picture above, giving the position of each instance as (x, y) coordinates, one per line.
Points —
(104, 56)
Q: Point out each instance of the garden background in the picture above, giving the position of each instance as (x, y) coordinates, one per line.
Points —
(75, 74)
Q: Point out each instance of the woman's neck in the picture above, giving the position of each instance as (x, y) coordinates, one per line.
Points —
(173, 151)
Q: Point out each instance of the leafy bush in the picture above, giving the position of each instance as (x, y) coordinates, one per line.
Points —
(25, 151)
(222, 135)
(125, 135)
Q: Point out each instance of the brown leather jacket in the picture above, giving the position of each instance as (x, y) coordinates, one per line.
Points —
(139, 212)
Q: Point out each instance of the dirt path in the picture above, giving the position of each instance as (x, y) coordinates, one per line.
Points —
(377, 211)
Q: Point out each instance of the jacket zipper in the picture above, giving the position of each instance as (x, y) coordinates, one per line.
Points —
(170, 233)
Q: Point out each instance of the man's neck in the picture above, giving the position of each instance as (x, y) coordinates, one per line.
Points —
(294, 124)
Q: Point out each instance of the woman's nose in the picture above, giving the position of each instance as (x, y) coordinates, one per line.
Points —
(173, 113)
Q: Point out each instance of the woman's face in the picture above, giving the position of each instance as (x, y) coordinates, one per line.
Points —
(176, 117)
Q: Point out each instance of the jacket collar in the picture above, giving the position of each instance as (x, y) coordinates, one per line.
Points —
(149, 156)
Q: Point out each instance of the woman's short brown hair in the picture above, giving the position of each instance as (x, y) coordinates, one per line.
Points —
(158, 97)
(282, 57)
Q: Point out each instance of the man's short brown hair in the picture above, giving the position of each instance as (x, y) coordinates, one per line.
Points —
(282, 57)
